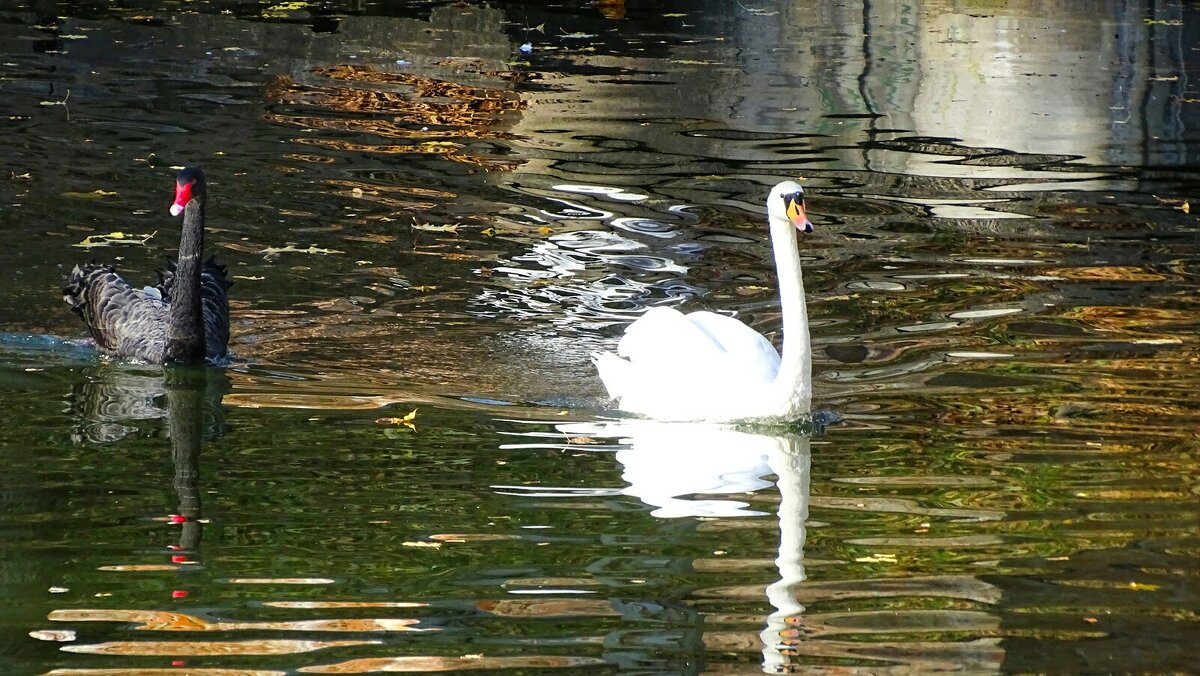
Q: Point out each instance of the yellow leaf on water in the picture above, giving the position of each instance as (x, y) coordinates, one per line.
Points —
(407, 421)
(1186, 208)
(877, 558)
(544, 230)
(113, 238)
(427, 545)
(1138, 586)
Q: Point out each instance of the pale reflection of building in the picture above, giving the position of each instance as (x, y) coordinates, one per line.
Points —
(1098, 81)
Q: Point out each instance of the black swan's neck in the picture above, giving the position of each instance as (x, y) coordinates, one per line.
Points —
(185, 330)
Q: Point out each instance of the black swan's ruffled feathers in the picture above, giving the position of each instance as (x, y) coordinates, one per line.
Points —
(123, 320)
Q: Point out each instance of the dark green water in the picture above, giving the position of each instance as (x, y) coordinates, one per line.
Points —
(418, 215)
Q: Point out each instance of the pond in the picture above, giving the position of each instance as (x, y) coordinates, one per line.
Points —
(446, 207)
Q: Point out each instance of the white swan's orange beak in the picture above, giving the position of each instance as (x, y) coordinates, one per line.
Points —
(183, 195)
(795, 212)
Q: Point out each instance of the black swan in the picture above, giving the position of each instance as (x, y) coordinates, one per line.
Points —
(183, 319)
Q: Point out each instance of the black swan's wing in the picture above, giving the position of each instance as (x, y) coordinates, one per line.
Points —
(124, 321)
(214, 299)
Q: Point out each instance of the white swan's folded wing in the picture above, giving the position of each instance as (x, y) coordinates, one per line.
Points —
(747, 352)
(664, 339)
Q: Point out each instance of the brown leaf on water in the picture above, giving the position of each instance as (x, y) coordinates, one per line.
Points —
(437, 663)
(307, 605)
(89, 195)
(201, 648)
(169, 671)
(280, 580)
(163, 621)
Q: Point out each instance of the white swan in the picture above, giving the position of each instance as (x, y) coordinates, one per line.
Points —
(706, 366)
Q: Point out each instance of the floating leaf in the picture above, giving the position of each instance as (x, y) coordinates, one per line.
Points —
(291, 248)
(426, 545)
(877, 558)
(429, 227)
(113, 238)
(408, 421)
(89, 195)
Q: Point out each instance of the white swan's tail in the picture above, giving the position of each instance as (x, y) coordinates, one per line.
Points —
(614, 373)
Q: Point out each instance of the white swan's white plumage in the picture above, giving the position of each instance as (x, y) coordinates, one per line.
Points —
(706, 366)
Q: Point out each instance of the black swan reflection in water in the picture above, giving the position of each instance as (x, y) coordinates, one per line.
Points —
(184, 318)
(113, 403)
(707, 366)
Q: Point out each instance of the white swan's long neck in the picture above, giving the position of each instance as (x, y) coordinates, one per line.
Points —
(793, 383)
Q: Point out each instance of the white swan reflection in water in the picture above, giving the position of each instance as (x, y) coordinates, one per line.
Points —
(676, 468)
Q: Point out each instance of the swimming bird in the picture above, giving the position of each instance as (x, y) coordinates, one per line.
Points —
(182, 319)
(708, 366)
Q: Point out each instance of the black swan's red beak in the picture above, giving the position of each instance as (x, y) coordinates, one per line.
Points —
(183, 195)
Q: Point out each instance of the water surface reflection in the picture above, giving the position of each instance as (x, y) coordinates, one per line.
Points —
(421, 214)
